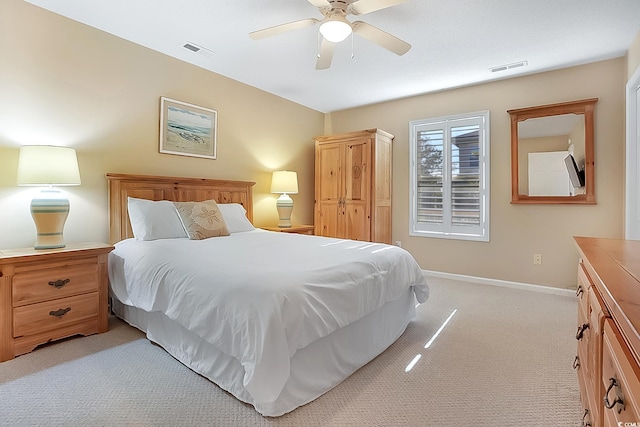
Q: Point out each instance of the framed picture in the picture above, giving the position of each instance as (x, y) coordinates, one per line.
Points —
(187, 130)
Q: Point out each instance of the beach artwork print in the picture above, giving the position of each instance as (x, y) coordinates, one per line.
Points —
(187, 129)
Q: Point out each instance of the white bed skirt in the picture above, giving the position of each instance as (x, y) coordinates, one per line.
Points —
(315, 369)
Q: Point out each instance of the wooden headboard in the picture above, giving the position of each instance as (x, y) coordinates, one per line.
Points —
(169, 188)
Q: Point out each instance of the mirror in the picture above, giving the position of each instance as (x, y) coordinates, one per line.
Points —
(552, 153)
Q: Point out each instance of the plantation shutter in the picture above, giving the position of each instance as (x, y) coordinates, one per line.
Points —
(449, 189)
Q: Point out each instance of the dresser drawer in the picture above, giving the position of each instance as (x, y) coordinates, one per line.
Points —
(44, 316)
(584, 283)
(51, 283)
(620, 378)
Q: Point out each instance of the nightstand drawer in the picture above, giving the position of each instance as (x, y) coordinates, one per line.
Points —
(44, 316)
(46, 284)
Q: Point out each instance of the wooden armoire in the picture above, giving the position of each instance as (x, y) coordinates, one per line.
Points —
(353, 185)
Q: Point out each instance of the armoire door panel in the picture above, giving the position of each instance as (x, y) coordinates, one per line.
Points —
(327, 220)
(329, 164)
(356, 222)
(355, 176)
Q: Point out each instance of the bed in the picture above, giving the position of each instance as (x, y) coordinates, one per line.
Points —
(275, 319)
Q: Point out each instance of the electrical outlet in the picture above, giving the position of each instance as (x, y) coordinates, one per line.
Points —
(398, 243)
(537, 259)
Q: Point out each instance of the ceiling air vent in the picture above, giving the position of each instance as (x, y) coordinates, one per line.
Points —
(508, 66)
(198, 49)
(191, 47)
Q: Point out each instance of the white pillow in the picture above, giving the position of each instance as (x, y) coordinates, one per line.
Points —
(154, 220)
(234, 215)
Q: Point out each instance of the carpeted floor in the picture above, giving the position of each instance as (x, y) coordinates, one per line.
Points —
(503, 359)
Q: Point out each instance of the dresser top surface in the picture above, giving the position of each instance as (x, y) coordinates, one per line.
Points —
(624, 253)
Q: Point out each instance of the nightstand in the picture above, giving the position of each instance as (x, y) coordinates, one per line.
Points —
(47, 295)
(298, 229)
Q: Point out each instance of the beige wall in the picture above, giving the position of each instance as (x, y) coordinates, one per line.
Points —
(517, 231)
(64, 83)
(633, 56)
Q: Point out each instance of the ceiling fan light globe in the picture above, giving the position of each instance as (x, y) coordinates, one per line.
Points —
(335, 31)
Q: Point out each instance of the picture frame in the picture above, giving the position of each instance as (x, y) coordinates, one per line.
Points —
(187, 129)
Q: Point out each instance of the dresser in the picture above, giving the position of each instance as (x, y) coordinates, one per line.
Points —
(47, 295)
(608, 323)
(353, 185)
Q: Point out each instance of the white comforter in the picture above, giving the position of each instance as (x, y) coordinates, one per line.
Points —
(259, 296)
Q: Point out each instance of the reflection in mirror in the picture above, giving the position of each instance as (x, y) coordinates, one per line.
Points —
(552, 153)
(543, 144)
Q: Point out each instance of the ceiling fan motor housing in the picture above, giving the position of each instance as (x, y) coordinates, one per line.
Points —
(340, 4)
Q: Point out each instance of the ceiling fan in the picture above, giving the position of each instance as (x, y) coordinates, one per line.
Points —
(335, 27)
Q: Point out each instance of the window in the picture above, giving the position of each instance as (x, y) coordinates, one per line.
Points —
(450, 177)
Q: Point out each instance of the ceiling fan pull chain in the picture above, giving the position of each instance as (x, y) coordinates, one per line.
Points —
(352, 54)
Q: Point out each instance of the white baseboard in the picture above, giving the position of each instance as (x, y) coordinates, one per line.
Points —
(502, 283)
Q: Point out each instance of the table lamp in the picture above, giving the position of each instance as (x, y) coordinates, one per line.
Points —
(285, 183)
(46, 165)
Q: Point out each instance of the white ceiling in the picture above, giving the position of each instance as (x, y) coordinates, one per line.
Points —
(454, 42)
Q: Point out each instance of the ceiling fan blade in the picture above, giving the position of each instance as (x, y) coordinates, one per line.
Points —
(381, 38)
(278, 29)
(361, 7)
(325, 55)
(320, 3)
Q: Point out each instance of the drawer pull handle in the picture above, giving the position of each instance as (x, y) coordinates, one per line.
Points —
(581, 330)
(586, 422)
(576, 363)
(579, 291)
(617, 400)
(59, 283)
(60, 312)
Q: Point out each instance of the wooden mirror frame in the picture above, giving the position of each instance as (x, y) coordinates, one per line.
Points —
(586, 107)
